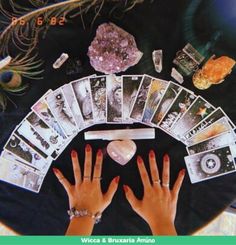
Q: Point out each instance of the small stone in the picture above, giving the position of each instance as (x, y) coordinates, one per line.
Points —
(177, 76)
(117, 48)
(157, 60)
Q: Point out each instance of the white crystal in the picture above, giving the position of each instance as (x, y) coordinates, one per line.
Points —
(177, 76)
(157, 56)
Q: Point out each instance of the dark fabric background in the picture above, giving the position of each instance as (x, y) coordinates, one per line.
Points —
(166, 25)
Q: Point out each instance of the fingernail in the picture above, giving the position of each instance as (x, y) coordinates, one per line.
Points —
(166, 157)
(125, 188)
(117, 179)
(73, 153)
(99, 152)
(55, 170)
(152, 154)
(88, 148)
(139, 160)
(182, 172)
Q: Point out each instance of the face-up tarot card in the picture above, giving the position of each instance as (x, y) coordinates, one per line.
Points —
(218, 127)
(213, 117)
(218, 141)
(99, 98)
(195, 114)
(210, 164)
(179, 106)
(20, 175)
(83, 96)
(170, 94)
(23, 151)
(73, 105)
(155, 94)
(130, 85)
(42, 109)
(61, 111)
(114, 99)
(141, 98)
(26, 132)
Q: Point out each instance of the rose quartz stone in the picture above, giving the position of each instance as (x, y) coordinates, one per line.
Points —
(113, 50)
(121, 151)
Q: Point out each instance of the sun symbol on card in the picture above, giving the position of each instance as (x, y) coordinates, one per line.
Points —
(202, 112)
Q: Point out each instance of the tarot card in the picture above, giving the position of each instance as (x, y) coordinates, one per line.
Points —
(40, 166)
(45, 131)
(170, 94)
(20, 175)
(22, 151)
(67, 91)
(210, 164)
(218, 127)
(130, 85)
(61, 111)
(155, 94)
(27, 133)
(179, 106)
(199, 110)
(114, 99)
(41, 108)
(83, 96)
(213, 117)
(99, 98)
(218, 141)
(141, 98)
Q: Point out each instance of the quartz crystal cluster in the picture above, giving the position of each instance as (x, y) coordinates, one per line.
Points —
(113, 50)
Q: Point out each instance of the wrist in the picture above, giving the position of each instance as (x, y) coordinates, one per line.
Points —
(163, 228)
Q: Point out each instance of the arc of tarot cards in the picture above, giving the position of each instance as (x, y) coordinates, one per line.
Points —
(58, 116)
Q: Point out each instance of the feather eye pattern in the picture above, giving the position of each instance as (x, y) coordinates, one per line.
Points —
(23, 24)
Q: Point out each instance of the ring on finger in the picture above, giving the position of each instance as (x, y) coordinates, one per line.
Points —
(157, 181)
(87, 177)
(166, 185)
(98, 178)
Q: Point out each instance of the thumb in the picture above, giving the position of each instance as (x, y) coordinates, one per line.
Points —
(111, 190)
(133, 201)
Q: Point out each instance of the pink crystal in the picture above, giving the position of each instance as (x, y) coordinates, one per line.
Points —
(113, 50)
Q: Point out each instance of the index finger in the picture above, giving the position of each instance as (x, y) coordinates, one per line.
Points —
(76, 167)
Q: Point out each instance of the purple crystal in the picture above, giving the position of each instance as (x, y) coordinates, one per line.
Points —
(113, 50)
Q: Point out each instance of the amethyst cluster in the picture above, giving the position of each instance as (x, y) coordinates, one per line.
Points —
(113, 50)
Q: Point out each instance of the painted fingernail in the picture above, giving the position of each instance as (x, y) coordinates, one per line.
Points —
(166, 157)
(117, 179)
(55, 170)
(125, 188)
(88, 148)
(99, 152)
(182, 172)
(152, 154)
(73, 153)
(139, 160)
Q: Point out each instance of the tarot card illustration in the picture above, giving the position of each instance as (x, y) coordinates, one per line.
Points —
(20, 175)
(218, 127)
(170, 94)
(228, 138)
(198, 111)
(155, 94)
(179, 106)
(114, 99)
(22, 151)
(130, 85)
(210, 164)
(40, 166)
(25, 131)
(213, 117)
(45, 131)
(61, 111)
(83, 96)
(141, 97)
(67, 91)
(99, 98)
(42, 109)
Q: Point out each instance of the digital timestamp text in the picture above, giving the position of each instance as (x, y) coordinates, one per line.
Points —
(53, 21)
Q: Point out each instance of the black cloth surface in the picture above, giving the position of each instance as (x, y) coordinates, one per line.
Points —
(166, 25)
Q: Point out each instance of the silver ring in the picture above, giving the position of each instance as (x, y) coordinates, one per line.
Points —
(157, 181)
(166, 185)
(99, 178)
